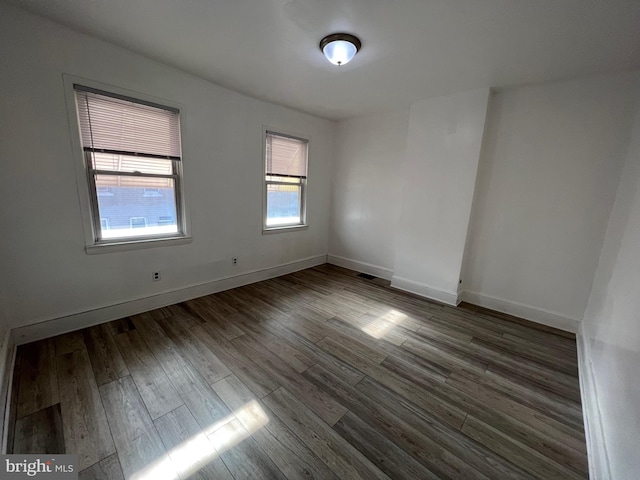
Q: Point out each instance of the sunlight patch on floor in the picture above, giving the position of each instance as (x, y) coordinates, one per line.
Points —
(200, 449)
(382, 325)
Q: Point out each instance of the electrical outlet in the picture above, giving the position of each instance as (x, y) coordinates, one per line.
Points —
(234, 261)
(155, 276)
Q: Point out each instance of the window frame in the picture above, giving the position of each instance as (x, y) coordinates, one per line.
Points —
(303, 182)
(85, 175)
(94, 193)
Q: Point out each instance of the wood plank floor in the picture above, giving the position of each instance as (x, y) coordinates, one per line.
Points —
(317, 374)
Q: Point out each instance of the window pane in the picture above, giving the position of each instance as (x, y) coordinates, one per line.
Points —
(125, 163)
(283, 205)
(136, 206)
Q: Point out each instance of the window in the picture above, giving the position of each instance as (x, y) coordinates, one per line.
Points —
(285, 181)
(138, 222)
(132, 155)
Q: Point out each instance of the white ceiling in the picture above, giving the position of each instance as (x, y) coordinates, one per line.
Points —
(411, 49)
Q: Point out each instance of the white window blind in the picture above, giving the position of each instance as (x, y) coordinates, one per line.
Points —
(117, 125)
(286, 156)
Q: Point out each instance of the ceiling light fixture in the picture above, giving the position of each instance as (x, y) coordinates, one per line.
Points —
(340, 48)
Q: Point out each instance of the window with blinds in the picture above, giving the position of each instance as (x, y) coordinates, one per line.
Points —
(285, 181)
(132, 152)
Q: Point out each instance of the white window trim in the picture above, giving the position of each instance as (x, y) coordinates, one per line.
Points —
(82, 178)
(304, 191)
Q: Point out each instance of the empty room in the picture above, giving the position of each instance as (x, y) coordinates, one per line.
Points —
(286, 239)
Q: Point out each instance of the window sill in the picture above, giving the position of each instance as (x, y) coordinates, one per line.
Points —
(122, 246)
(287, 228)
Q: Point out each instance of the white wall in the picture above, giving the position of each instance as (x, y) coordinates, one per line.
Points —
(443, 150)
(610, 337)
(45, 271)
(403, 185)
(369, 157)
(546, 184)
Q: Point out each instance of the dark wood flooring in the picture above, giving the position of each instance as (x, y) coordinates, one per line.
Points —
(317, 374)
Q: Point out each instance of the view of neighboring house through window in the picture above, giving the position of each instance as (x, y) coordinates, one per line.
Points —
(285, 181)
(132, 154)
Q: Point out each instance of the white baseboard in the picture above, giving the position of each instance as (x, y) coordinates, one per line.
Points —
(596, 449)
(424, 290)
(527, 312)
(7, 361)
(361, 267)
(69, 323)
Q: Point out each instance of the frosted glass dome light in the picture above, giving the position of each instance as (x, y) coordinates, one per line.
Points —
(340, 48)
